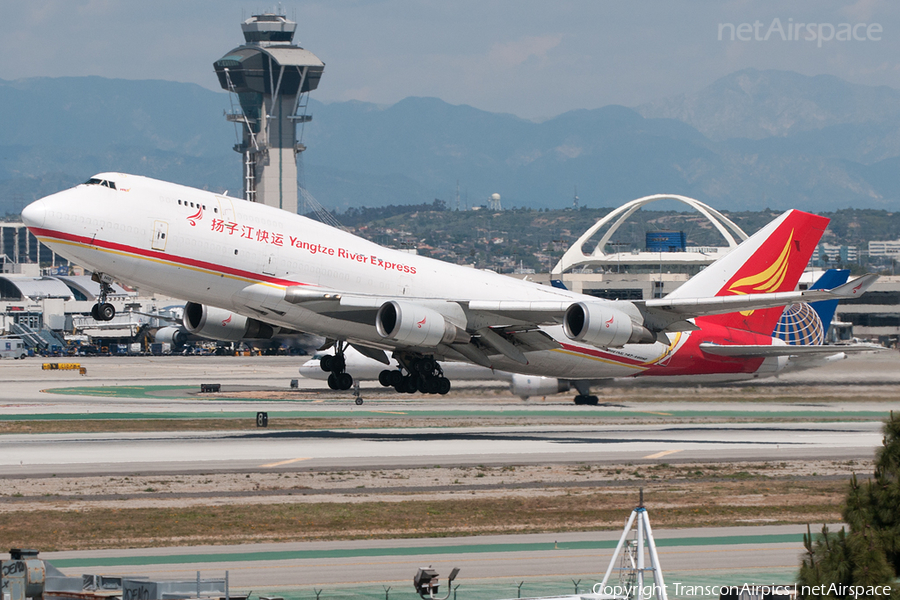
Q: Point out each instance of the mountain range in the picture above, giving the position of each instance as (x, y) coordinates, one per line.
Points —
(751, 140)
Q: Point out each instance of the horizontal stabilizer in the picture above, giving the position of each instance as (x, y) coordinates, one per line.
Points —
(749, 351)
(659, 312)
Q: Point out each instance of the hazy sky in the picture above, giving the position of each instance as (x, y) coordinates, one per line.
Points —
(530, 58)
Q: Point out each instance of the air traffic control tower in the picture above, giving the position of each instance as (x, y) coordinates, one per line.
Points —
(271, 77)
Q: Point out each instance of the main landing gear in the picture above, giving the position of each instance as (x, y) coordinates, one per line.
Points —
(584, 397)
(103, 310)
(587, 400)
(339, 378)
(422, 375)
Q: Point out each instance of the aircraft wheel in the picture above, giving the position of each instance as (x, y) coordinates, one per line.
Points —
(579, 400)
(421, 383)
(94, 314)
(359, 401)
(384, 378)
(432, 385)
(325, 362)
(333, 382)
(443, 385)
(592, 400)
(396, 379)
(338, 364)
(106, 311)
(411, 387)
(345, 381)
(425, 366)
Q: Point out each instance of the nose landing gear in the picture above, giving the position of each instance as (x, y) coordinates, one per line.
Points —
(103, 310)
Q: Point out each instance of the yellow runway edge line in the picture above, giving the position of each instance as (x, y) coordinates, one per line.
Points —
(284, 462)
(663, 453)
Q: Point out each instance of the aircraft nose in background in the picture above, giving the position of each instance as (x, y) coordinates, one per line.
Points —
(34, 214)
(309, 368)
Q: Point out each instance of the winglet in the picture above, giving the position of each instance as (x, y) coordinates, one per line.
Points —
(855, 288)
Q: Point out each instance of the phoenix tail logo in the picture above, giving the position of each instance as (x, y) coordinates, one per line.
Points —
(608, 323)
(768, 280)
(420, 323)
(227, 321)
(196, 216)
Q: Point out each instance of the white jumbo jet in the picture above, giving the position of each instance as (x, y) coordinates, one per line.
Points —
(248, 269)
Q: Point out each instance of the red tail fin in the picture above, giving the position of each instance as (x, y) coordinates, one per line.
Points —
(774, 265)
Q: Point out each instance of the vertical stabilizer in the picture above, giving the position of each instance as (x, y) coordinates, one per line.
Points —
(825, 308)
(771, 260)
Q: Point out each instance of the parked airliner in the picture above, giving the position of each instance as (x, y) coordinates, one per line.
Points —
(251, 269)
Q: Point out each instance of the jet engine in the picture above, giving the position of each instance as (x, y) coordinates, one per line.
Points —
(413, 324)
(525, 386)
(603, 326)
(176, 336)
(220, 324)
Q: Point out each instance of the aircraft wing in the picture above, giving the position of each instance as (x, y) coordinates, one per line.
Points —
(489, 313)
(784, 350)
(661, 313)
(511, 327)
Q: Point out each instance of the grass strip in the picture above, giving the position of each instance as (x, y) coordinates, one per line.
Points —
(682, 505)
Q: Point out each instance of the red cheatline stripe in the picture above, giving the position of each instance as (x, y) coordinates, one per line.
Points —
(160, 256)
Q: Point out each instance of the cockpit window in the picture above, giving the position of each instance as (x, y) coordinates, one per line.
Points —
(103, 182)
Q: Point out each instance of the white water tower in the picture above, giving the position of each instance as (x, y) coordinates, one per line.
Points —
(495, 202)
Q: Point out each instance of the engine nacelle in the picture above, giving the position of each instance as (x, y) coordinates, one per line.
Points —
(525, 386)
(220, 324)
(604, 326)
(414, 324)
(176, 336)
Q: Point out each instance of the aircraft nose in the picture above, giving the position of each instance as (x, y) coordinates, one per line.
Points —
(34, 214)
(308, 367)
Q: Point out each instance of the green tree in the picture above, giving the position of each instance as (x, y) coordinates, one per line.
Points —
(869, 555)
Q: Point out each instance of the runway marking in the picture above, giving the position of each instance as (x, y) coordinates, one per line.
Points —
(663, 453)
(649, 412)
(285, 462)
(388, 412)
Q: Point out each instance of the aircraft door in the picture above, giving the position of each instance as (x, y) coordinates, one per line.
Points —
(160, 233)
(226, 208)
(269, 262)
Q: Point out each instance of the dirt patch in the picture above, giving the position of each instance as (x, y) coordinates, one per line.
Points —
(69, 513)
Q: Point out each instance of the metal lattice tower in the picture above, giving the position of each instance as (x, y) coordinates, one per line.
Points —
(630, 557)
(271, 78)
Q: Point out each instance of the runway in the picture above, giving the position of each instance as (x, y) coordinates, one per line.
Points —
(99, 454)
(830, 419)
(834, 414)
